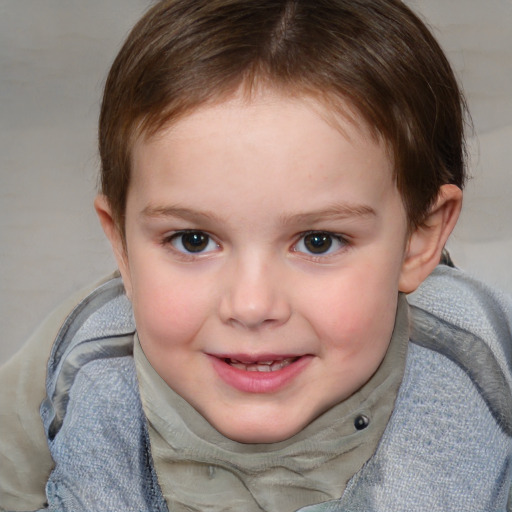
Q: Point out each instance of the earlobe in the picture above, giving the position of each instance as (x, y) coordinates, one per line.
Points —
(114, 236)
(427, 241)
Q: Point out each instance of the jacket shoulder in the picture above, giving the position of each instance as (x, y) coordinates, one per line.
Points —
(101, 326)
(471, 324)
(25, 460)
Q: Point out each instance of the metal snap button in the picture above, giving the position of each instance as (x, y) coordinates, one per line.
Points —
(361, 422)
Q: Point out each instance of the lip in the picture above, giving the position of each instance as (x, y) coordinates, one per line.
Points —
(259, 382)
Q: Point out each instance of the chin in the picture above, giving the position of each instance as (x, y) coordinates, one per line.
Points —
(257, 437)
(261, 433)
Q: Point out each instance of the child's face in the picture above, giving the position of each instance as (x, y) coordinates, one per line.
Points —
(264, 251)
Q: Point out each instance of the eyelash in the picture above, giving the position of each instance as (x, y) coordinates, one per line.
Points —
(333, 237)
(178, 237)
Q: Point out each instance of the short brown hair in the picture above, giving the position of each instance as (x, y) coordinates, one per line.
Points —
(374, 54)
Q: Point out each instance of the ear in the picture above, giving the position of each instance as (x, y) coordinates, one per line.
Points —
(115, 237)
(427, 241)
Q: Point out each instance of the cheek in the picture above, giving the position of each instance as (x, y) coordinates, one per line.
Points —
(168, 309)
(354, 308)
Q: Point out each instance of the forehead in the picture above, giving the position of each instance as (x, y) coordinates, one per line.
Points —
(289, 141)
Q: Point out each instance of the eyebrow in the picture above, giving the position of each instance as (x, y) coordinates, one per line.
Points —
(178, 212)
(337, 211)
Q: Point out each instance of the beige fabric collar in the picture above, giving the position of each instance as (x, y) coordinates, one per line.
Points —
(200, 469)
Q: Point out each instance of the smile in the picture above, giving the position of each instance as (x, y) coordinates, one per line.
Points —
(264, 374)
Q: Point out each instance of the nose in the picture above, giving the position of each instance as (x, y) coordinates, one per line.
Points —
(255, 296)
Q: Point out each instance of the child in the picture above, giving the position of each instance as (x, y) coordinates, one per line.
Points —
(276, 176)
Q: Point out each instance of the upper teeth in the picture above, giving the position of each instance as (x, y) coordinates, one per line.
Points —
(261, 366)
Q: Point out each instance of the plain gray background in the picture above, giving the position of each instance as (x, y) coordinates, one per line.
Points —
(54, 56)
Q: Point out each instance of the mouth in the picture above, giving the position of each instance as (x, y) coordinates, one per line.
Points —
(273, 365)
(265, 373)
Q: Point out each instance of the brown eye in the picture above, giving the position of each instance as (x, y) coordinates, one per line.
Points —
(318, 243)
(193, 242)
